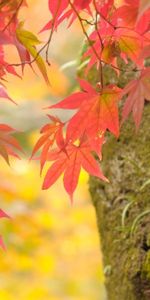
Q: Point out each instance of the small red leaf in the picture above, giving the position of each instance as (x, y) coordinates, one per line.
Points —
(98, 113)
(3, 94)
(54, 173)
(72, 173)
(43, 157)
(138, 90)
(78, 156)
(3, 214)
(39, 144)
(6, 128)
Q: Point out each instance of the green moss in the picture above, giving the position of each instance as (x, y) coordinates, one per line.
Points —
(126, 162)
(146, 266)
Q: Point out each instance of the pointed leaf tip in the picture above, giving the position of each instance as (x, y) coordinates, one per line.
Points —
(4, 215)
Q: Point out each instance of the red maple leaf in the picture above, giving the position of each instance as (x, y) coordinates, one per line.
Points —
(126, 14)
(51, 132)
(138, 90)
(8, 143)
(114, 42)
(61, 10)
(131, 15)
(97, 111)
(78, 156)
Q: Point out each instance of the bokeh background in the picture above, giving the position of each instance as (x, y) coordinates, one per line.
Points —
(53, 249)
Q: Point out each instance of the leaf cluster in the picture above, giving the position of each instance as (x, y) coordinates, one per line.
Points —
(114, 31)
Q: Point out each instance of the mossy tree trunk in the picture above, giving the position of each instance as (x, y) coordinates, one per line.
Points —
(123, 212)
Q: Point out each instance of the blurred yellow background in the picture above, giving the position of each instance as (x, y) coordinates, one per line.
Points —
(53, 250)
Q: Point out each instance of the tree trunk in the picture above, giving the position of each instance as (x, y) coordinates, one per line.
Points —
(123, 212)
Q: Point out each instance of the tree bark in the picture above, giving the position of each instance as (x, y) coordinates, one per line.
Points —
(123, 212)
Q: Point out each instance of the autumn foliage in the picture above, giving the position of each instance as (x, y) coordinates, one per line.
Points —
(117, 36)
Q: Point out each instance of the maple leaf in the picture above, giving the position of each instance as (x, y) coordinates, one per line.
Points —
(97, 111)
(138, 90)
(51, 132)
(75, 100)
(114, 42)
(129, 42)
(78, 156)
(8, 143)
(120, 42)
(128, 15)
(61, 10)
(97, 114)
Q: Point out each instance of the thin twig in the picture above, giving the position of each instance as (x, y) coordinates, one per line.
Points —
(84, 31)
(13, 16)
(102, 46)
(52, 30)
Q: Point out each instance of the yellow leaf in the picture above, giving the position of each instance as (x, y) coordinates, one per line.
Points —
(26, 37)
(29, 41)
